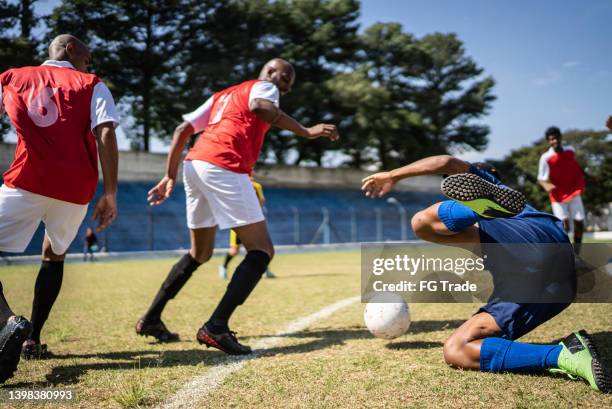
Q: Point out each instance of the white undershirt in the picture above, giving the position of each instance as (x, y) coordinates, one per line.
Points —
(262, 90)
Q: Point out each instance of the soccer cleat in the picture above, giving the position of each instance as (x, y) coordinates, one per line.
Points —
(12, 335)
(270, 274)
(34, 350)
(483, 197)
(579, 360)
(222, 273)
(156, 329)
(225, 341)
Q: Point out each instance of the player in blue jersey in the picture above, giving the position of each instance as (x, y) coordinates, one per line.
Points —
(483, 212)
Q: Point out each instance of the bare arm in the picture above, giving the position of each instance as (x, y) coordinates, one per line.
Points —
(273, 115)
(164, 188)
(546, 185)
(378, 184)
(106, 207)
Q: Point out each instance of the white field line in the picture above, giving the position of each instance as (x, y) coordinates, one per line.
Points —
(200, 386)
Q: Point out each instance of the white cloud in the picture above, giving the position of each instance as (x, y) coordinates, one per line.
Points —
(571, 64)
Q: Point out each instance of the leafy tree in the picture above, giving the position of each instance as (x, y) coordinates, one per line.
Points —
(319, 37)
(594, 153)
(411, 98)
(17, 44)
(453, 94)
(134, 45)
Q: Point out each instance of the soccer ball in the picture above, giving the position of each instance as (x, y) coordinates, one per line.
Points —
(389, 319)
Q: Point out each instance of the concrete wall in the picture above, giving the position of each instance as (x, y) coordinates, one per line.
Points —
(150, 167)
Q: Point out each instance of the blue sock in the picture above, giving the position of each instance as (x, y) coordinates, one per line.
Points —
(455, 216)
(501, 355)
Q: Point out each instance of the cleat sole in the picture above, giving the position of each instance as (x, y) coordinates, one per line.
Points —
(485, 198)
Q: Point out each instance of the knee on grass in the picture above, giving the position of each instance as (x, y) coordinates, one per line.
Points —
(454, 354)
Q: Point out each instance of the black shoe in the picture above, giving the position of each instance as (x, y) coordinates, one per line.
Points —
(33, 350)
(225, 341)
(12, 336)
(483, 197)
(156, 329)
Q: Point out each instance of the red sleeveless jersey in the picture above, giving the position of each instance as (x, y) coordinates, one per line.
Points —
(234, 135)
(56, 151)
(565, 173)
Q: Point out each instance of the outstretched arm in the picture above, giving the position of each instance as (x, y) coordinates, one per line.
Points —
(267, 111)
(164, 188)
(379, 184)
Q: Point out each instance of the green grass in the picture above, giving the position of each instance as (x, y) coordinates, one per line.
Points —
(333, 364)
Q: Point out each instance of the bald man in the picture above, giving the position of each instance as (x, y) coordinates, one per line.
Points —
(62, 116)
(219, 193)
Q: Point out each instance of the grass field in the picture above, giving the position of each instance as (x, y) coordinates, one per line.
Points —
(335, 363)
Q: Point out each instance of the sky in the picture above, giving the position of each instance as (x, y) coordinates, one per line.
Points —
(552, 60)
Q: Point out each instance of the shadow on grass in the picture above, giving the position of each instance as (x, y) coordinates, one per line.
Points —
(283, 277)
(126, 360)
(413, 345)
(416, 327)
(314, 340)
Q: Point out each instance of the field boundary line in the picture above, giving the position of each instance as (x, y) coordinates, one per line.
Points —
(199, 387)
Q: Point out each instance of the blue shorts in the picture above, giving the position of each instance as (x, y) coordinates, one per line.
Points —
(516, 320)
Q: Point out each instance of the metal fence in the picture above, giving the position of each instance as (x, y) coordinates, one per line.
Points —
(156, 229)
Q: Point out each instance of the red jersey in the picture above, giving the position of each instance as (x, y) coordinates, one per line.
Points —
(563, 171)
(49, 107)
(234, 135)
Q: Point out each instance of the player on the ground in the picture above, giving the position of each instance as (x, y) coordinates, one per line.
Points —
(59, 112)
(234, 240)
(561, 176)
(219, 193)
(483, 211)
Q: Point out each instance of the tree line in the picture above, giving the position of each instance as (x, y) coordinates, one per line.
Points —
(395, 97)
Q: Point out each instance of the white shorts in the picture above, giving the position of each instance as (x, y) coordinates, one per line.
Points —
(217, 196)
(572, 209)
(21, 212)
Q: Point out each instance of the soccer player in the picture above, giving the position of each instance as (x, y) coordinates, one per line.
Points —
(485, 211)
(234, 240)
(561, 176)
(59, 113)
(609, 122)
(219, 193)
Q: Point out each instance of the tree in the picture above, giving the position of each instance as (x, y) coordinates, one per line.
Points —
(594, 154)
(319, 37)
(453, 94)
(134, 45)
(17, 44)
(411, 98)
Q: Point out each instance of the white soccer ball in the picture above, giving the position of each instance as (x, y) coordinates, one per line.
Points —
(389, 319)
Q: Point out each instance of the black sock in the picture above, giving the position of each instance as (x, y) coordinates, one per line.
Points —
(577, 244)
(245, 278)
(177, 277)
(46, 290)
(5, 310)
(228, 258)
